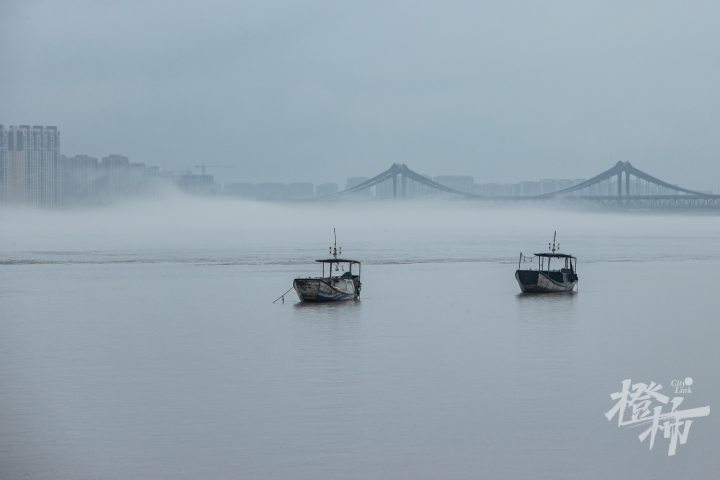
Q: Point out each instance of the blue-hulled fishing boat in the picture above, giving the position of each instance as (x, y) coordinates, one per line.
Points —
(545, 279)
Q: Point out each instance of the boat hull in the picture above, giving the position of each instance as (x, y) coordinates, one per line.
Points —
(326, 289)
(533, 281)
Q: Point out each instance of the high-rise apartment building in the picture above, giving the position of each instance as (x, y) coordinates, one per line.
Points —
(80, 179)
(30, 165)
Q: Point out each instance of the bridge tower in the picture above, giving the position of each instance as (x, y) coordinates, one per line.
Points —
(627, 183)
(623, 172)
(398, 172)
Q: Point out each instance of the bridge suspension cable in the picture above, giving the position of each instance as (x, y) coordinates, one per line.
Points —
(401, 170)
(616, 177)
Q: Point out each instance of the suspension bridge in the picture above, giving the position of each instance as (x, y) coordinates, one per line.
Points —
(622, 185)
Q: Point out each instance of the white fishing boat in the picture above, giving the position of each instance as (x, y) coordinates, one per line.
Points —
(340, 282)
(546, 279)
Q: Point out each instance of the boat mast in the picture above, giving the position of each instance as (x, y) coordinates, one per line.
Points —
(334, 251)
(553, 247)
(333, 248)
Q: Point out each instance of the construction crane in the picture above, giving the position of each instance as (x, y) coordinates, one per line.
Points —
(203, 166)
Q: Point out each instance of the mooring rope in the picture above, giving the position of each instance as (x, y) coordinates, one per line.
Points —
(283, 295)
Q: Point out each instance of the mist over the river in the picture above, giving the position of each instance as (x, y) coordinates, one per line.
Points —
(178, 226)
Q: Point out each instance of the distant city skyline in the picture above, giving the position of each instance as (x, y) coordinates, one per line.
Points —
(34, 171)
(296, 91)
(220, 174)
(235, 173)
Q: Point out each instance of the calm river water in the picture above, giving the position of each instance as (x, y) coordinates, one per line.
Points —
(136, 344)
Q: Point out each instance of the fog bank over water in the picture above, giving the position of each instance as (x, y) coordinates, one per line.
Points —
(178, 227)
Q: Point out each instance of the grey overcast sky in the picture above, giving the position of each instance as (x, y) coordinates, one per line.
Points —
(322, 90)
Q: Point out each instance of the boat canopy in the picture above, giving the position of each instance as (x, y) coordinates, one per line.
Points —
(337, 260)
(554, 255)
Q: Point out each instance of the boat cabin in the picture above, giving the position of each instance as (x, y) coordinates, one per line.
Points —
(339, 266)
(570, 262)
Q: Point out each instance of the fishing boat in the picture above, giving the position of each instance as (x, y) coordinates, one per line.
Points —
(545, 279)
(340, 283)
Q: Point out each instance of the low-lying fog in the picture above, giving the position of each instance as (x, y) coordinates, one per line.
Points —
(222, 229)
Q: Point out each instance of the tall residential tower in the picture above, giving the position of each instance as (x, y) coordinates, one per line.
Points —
(30, 165)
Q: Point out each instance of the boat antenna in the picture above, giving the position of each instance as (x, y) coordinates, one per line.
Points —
(334, 250)
(554, 246)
